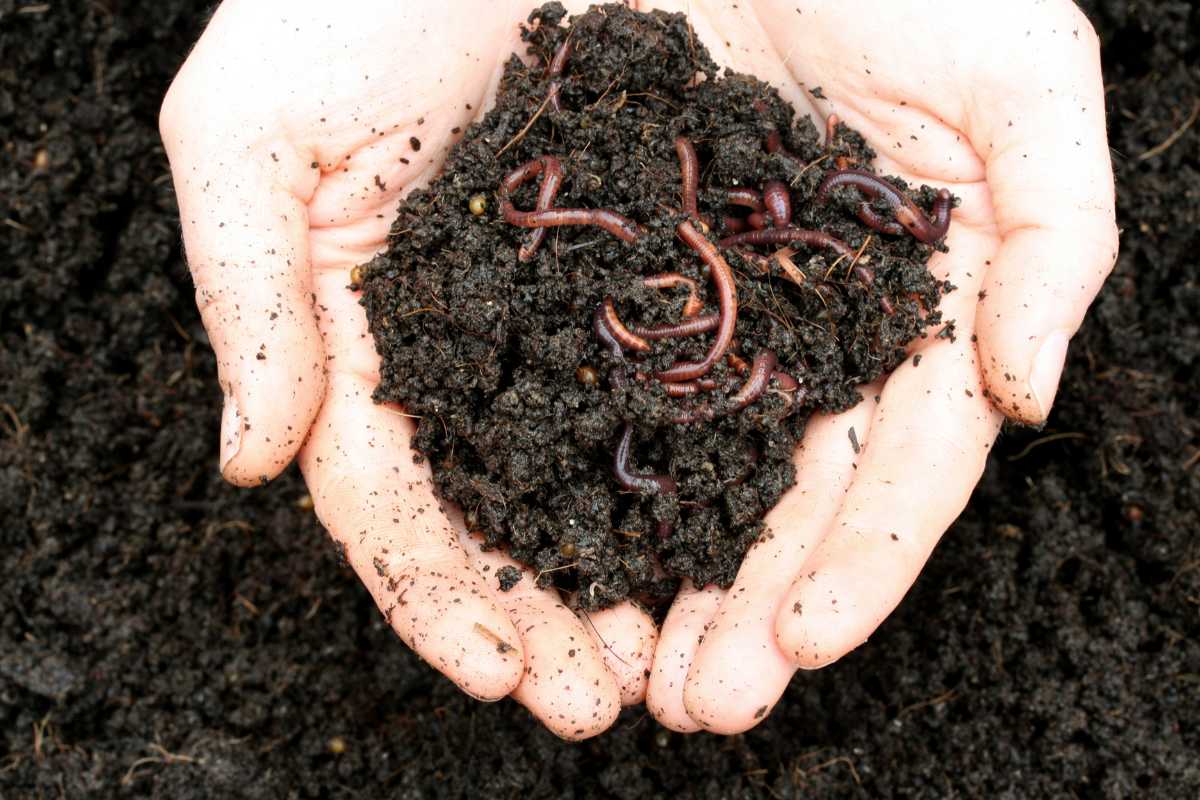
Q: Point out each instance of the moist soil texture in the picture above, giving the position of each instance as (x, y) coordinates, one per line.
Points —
(522, 405)
(165, 635)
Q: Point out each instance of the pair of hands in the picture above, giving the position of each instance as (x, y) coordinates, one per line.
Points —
(289, 134)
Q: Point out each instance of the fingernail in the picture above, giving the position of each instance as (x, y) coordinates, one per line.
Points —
(231, 431)
(1047, 370)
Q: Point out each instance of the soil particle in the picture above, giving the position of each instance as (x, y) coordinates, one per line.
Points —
(521, 405)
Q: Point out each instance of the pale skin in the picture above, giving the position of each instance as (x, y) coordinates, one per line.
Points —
(273, 88)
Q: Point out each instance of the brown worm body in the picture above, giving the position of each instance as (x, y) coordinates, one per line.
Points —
(908, 214)
(667, 280)
(787, 235)
(689, 169)
(747, 198)
(557, 62)
(778, 202)
(722, 278)
(621, 227)
(756, 383)
(625, 338)
(633, 481)
(688, 327)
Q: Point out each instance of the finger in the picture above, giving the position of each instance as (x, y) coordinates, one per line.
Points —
(929, 441)
(245, 231)
(566, 684)
(1052, 188)
(380, 509)
(625, 636)
(739, 672)
(678, 641)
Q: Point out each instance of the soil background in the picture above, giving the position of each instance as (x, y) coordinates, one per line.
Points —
(165, 635)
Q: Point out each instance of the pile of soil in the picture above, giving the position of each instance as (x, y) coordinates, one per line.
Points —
(498, 354)
(165, 635)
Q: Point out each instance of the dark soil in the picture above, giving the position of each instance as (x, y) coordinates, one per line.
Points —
(1050, 649)
(488, 349)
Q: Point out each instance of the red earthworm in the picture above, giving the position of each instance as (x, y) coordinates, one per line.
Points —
(756, 383)
(908, 214)
(738, 363)
(757, 220)
(745, 197)
(557, 62)
(688, 388)
(689, 169)
(831, 123)
(552, 175)
(604, 333)
(688, 327)
(666, 280)
(786, 382)
(778, 202)
(624, 229)
(722, 278)
(633, 481)
(625, 338)
(789, 234)
(775, 145)
(760, 375)
(734, 224)
(885, 303)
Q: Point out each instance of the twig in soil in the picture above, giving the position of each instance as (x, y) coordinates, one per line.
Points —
(18, 429)
(1191, 462)
(521, 133)
(163, 756)
(1175, 136)
(944, 697)
(1054, 437)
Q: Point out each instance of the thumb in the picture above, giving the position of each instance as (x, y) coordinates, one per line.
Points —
(245, 231)
(1052, 187)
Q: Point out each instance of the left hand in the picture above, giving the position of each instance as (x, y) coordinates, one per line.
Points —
(936, 89)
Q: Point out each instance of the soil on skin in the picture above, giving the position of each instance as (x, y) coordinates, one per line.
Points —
(488, 349)
(1049, 649)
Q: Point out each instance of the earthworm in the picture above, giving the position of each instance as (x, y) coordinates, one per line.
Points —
(557, 62)
(606, 317)
(756, 383)
(831, 123)
(786, 235)
(552, 175)
(786, 382)
(734, 224)
(688, 327)
(689, 169)
(778, 202)
(723, 282)
(760, 375)
(775, 144)
(757, 220)
(632, 481)
(908, 214)
(667, 280)
(604, 333)
(748, 198)
(688, 388)
(621, 227)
